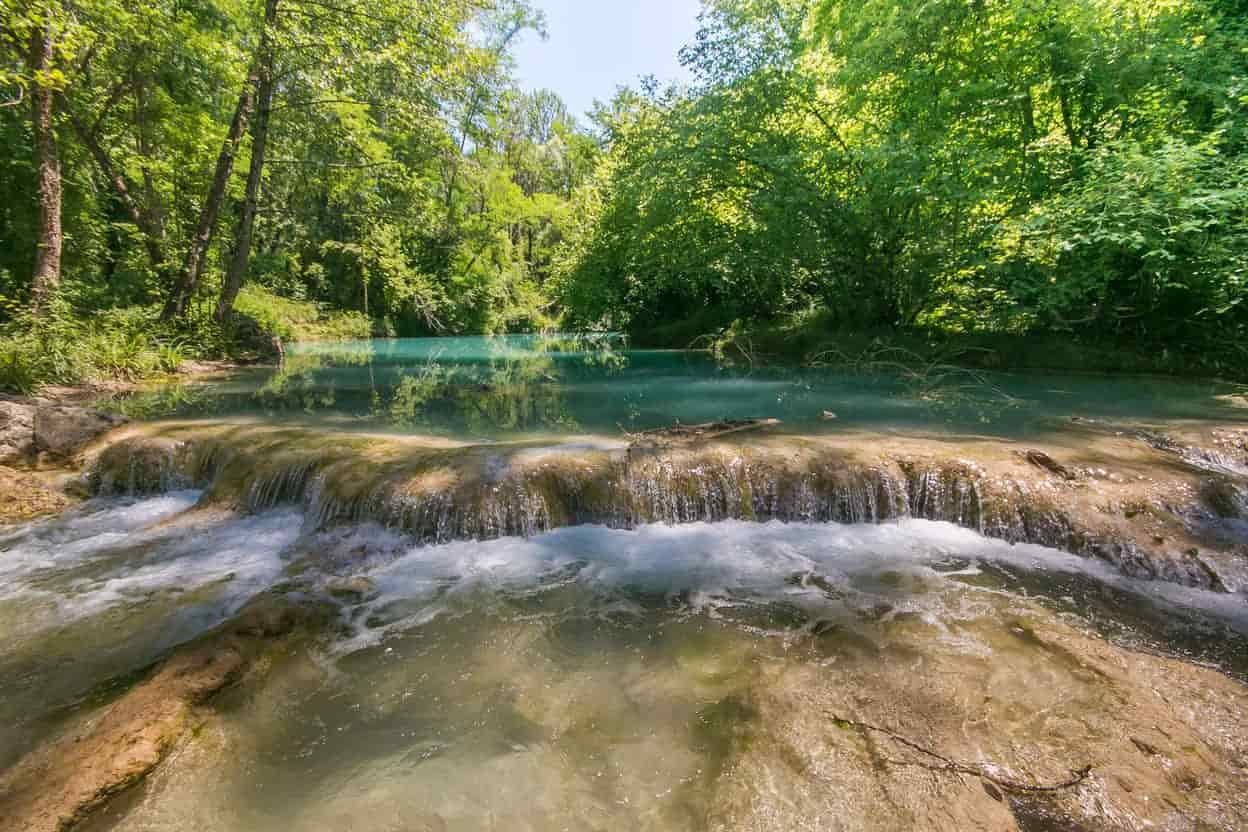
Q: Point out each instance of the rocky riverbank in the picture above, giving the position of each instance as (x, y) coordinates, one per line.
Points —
(39, 440)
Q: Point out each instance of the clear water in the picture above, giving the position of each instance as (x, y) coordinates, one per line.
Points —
(583, 679)
(518, 684)
(106, 589)
(503, 387)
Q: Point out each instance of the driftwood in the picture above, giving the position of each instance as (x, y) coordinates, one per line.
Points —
(943, 763)
(684, 434)
(1042, 460)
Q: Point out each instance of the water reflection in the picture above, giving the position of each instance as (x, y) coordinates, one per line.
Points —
(491, 388)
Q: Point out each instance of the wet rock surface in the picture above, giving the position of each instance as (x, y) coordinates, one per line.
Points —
(1050, 730)
(998, 713)
(17, 431)
(61, 430)
(60, 784)
(34, 430)
(1007, 717)
(24, 495)
(1147, 509)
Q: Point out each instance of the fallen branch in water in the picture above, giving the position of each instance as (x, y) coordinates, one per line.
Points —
(693, 433)
(1042, 460)
(1077, 777)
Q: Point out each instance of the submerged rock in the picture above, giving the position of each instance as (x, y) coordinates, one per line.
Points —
(1042, 727)
(60, 784)
(355, 588)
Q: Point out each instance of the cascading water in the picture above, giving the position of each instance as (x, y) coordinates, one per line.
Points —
(589, 672)
(108, 588)
(484, 492)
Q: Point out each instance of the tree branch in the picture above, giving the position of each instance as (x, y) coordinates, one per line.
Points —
(339, 165)
(1077, 778)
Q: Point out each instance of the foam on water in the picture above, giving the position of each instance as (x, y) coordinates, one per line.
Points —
(103, 591)
(913, 566)
(83, 531)
(123, 552)
(594, 673)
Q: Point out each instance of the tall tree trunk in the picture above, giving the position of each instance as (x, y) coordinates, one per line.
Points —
(193, 266)
(259, 139)
(47, 274)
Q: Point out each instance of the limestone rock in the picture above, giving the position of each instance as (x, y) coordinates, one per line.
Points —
(59, 785)
(23, 496)
(17, 431)
(351, 589)
(60, 431)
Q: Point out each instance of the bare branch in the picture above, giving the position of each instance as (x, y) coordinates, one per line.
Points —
(338, 165)
(944, 763)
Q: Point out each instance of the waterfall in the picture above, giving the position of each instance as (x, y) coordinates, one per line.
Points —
(437, 495)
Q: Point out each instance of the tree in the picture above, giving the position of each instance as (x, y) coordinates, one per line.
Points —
(35, 30)
(259, 142)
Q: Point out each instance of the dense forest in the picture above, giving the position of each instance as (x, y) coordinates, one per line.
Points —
(182, 176)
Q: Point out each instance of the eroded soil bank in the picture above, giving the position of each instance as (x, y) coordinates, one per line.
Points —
(390, 677)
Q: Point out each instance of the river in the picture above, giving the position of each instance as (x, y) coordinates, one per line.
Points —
(536, 613)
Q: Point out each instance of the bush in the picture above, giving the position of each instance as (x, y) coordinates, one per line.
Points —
(69, 347)
(296, 320)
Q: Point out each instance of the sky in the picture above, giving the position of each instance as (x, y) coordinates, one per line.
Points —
(598, 45)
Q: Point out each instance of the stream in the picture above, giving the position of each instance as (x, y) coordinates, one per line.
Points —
(531, 622)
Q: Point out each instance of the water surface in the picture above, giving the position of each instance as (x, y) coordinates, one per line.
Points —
(530, 386)
(604, 679)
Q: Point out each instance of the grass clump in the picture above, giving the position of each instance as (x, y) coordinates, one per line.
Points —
(300, 320)
(72, 347)
(119, 345)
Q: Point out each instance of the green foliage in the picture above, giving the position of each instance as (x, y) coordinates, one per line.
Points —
(1004, 167)
(60, 348)
(129, 344)
(293, 320)
(1153, 242)
(1074, 170)
(407, 182)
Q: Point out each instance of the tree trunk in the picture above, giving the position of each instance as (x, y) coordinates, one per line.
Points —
(1028, 139)
(259, 139)
(193, 266)
(121, 189)
(47, 274)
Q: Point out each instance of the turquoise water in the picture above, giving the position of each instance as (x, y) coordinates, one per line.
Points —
(516, 386)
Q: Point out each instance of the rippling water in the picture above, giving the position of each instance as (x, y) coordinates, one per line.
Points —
(586, 678)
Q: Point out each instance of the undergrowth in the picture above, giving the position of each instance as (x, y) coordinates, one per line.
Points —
(71, 347)
(815, 339)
